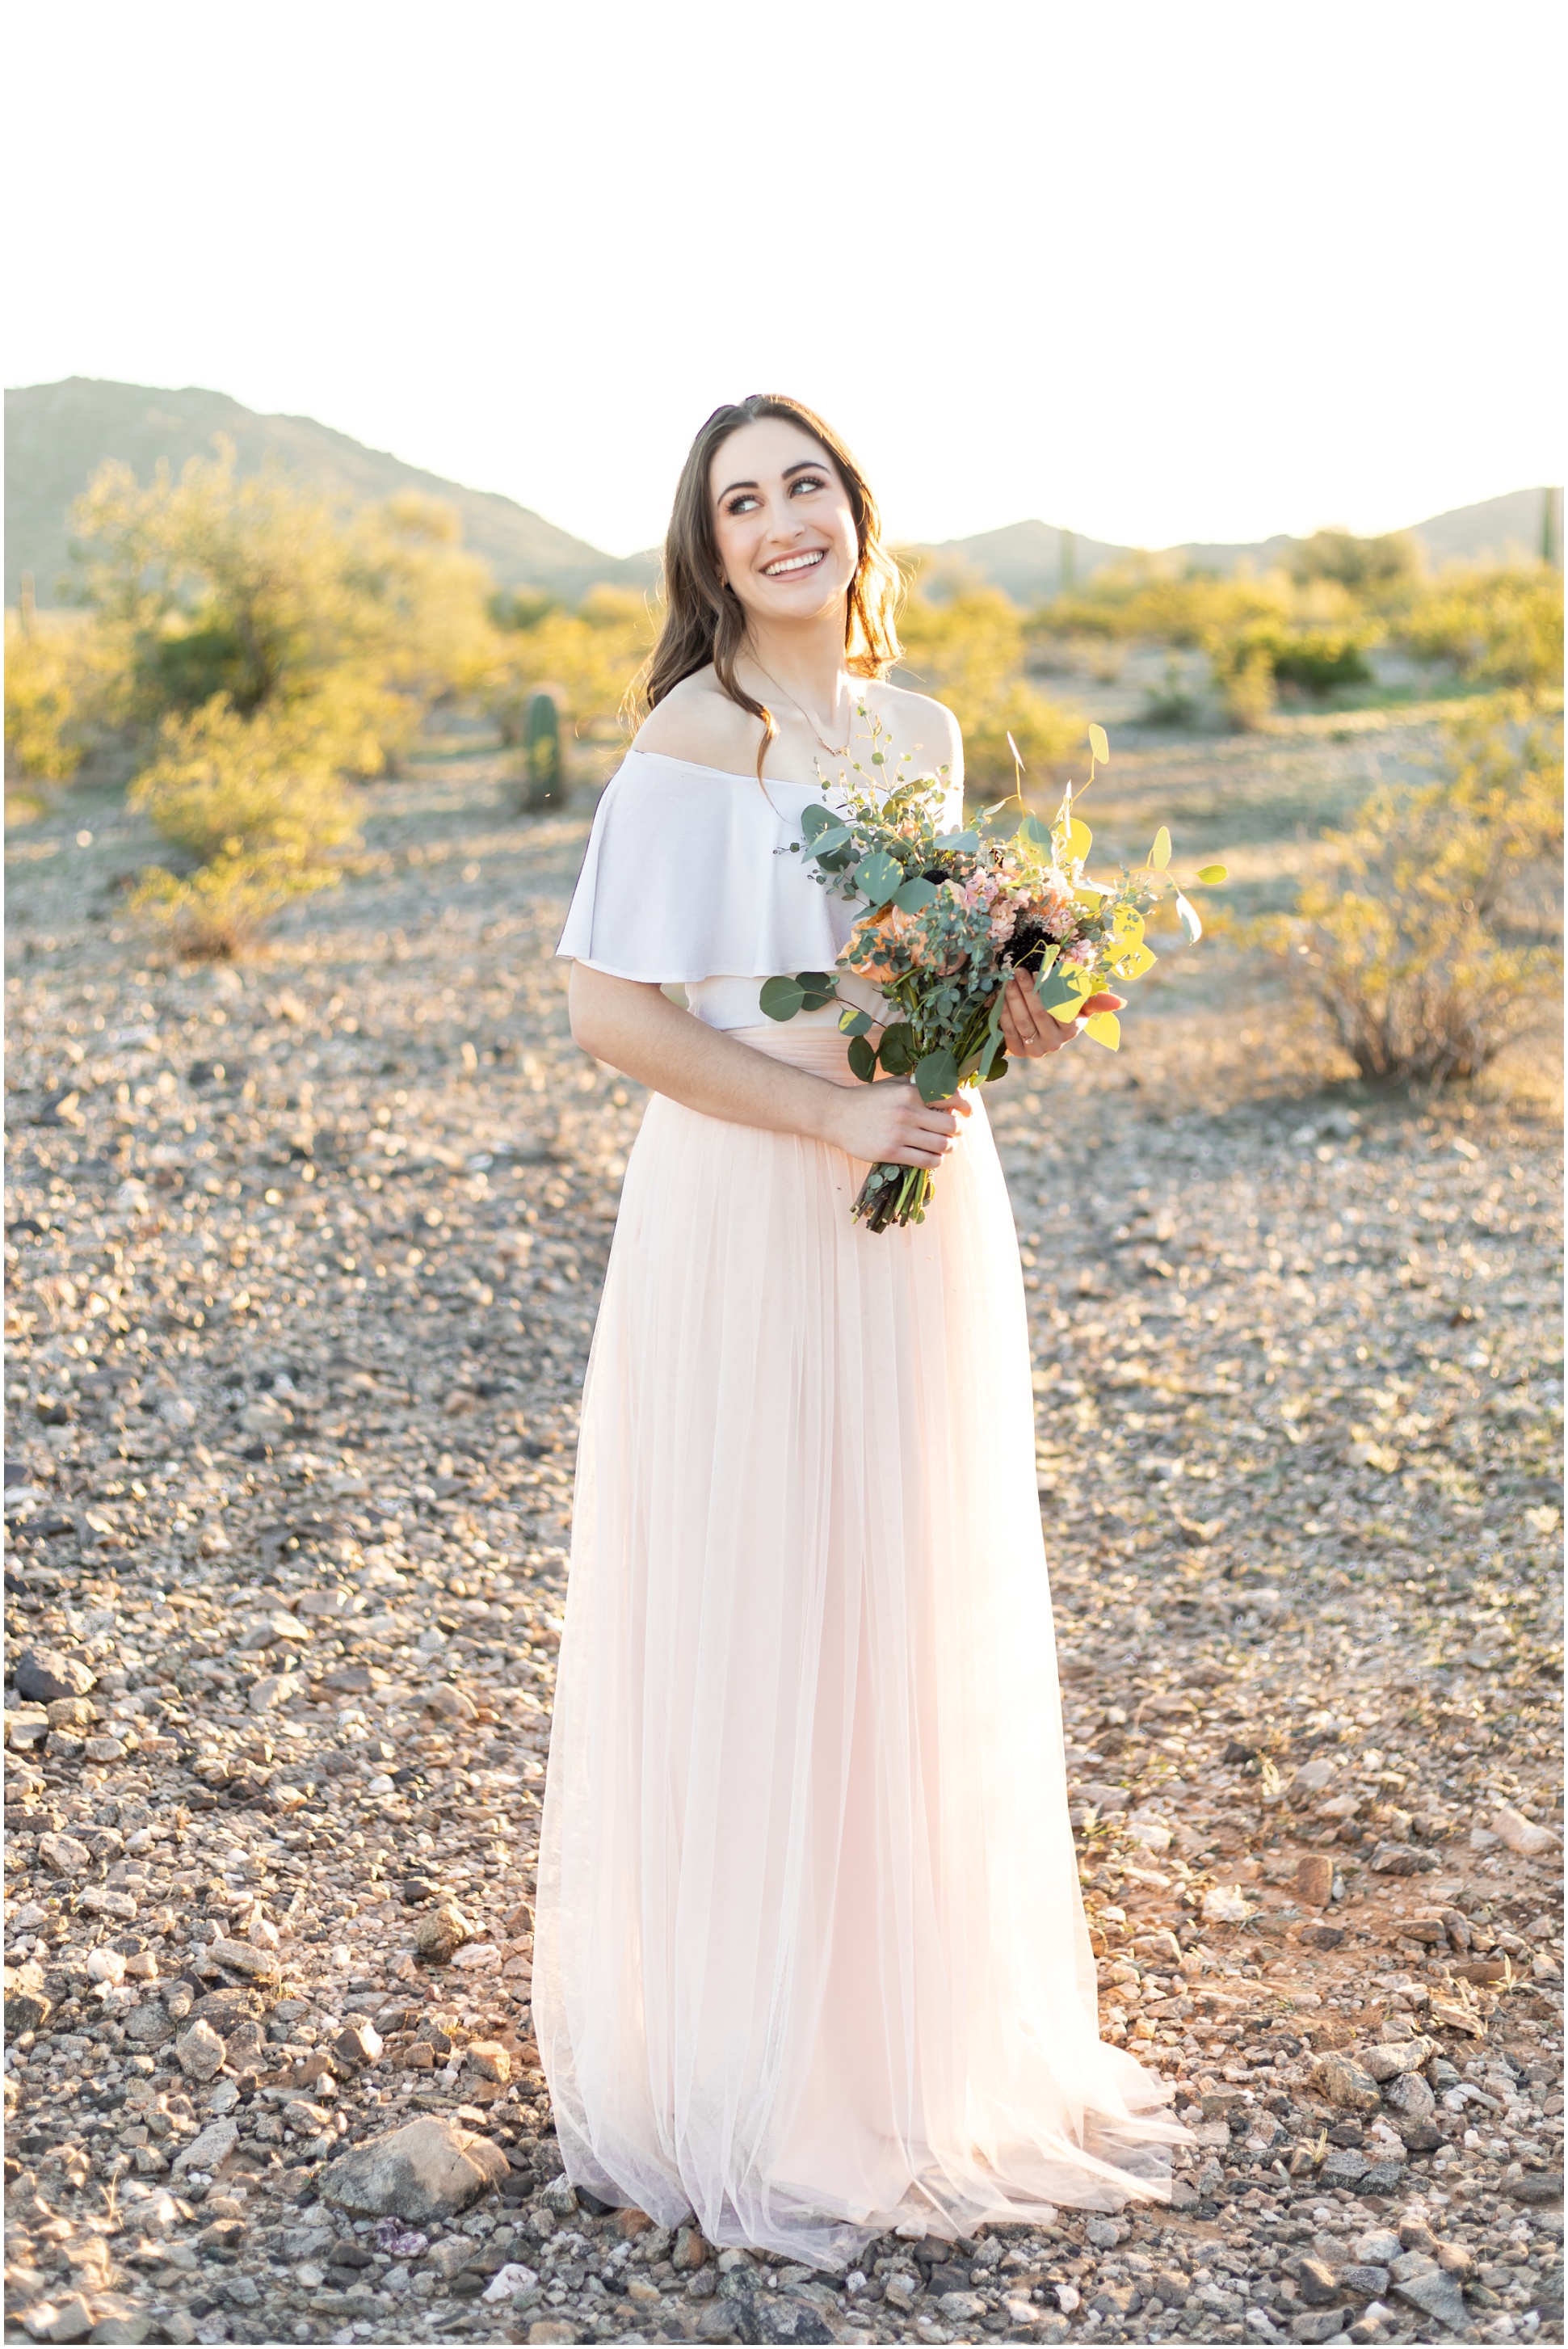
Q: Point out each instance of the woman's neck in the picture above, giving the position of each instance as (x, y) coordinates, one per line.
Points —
(806, 659)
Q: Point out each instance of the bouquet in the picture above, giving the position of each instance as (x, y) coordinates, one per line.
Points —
(949, 918)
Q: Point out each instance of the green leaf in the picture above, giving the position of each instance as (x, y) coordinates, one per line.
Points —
(1160, 855)
(854, 1023)
(1098, 748)
(1035, 832)
(877, 876)
(1188, 916)
(1133, 963)
(898, 1054)
(817, 819)
(916, 895)
(1081, 840)
(998, 1067)
(1064, 991)
(956, 840)
(1213, 873)
(862, 1060)
(781, 998)
(937, 1077)
(1106, 1029)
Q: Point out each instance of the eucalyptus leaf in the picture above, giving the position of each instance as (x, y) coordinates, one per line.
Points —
(956, 840)
(817, 819)
(877, 876)
(1064, 989)
(1035, 832)
(862, 1060)
(916, 895)
(1133, 962)
(898, 1054)
(854, 1023)
(1160, 855)
(1081, 840)
(1213, 873)
(1098, 748)
(1187, 915)
(781, 999)
(937, 1077)
(1106, 1029)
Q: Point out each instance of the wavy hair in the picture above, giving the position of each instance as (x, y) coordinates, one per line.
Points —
(704, 620)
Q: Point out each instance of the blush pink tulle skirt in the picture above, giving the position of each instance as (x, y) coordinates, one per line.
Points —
(811, 1957)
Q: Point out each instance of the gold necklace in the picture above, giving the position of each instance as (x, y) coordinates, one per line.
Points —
(842, 749)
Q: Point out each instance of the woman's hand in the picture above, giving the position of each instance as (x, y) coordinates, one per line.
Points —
(888, 1123)
(1029, 1031)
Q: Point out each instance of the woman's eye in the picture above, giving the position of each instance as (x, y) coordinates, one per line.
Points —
(742, 505)
(807, 482)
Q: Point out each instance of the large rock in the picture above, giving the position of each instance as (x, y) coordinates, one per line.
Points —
(209, 2147)
(28, 2005)
(427, 2170)
(436, 1935)
(247, 1958)
(200, 2051)
(1436, 2294)
(1410, 2056)
(46, 1673)
(1346, 2084)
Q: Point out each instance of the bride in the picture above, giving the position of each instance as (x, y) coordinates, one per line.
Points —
(810, 1957)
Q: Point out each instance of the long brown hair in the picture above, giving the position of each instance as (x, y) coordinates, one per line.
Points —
(704, 620)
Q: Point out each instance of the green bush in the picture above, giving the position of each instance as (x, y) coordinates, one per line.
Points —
(259, 593)
(967, 648)
(62, 693)
(1502, 627)
(259, 806)
(1437, 937)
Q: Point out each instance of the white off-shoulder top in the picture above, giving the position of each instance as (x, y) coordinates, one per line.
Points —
(688, 878)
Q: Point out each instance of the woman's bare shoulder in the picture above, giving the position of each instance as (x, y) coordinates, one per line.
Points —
(926, 729)
(697, 721)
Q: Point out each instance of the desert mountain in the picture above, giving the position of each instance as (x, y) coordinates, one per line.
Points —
(57, 434)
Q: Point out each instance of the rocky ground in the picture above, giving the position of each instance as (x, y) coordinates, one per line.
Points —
(303, 1264)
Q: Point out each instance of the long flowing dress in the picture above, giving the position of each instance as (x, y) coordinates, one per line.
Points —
(811, 1957)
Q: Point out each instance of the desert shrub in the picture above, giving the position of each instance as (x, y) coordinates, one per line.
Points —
(61, 693)
(262, 594)
(213, 914)
(1142, 600)
(1500, 627)
(1250, 663)
(585, 659)
(256, 803)
(1373, 570)
(1434, 939)
(967, 649)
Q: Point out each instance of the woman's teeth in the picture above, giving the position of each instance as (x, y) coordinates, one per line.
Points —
(793, 562)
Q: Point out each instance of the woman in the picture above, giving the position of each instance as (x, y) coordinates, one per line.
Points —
(811, 1956)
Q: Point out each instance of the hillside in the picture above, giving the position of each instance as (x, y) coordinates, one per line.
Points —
(57, 434)
(1025, 558)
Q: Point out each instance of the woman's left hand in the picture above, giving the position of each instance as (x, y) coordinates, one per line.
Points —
(1029, 1031)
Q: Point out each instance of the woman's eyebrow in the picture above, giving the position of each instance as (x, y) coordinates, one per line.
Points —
(804, 465)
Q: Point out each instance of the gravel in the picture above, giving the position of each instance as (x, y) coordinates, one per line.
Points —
(304, 1257)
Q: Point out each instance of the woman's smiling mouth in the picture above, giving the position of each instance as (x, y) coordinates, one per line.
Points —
(785, 564)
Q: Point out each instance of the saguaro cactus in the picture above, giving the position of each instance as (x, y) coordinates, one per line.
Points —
(546, 785)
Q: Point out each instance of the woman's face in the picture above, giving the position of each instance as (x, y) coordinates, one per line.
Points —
(782, 522)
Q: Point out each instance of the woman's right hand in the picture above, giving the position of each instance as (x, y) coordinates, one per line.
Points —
(887, 1124)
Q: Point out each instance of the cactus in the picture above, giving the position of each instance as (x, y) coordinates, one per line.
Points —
(542, 754)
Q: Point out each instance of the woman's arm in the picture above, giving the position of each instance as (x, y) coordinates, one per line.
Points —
(636, 1029)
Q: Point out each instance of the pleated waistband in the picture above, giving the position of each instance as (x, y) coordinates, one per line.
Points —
(822, 1051)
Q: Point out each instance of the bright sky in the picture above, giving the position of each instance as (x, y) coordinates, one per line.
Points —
(1155, 272)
